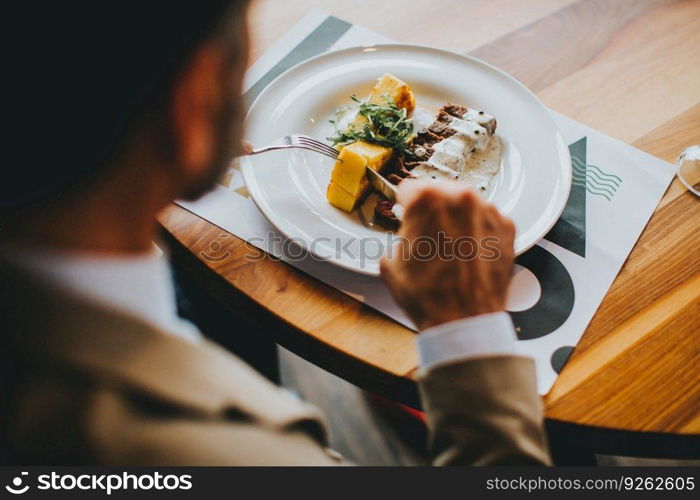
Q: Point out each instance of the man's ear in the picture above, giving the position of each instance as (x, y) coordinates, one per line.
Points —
(196, 100)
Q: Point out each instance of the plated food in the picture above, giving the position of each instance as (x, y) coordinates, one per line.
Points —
(379, 132)
(290, 187)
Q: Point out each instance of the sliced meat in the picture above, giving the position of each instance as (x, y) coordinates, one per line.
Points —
(384, 214)
(420, 150)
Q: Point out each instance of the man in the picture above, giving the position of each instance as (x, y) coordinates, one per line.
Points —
(143, 107)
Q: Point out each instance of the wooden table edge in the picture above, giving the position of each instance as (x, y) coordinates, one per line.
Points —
(367, 376)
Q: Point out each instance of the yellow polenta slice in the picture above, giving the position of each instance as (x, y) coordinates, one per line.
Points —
(347, 180)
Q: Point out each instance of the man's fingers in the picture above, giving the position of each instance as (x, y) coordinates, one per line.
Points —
(422, 215)
(384, 265)
(418, 199)
(447, 206)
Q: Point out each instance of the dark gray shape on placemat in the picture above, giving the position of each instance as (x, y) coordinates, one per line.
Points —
(560, 357)
(570, 230)
(317, 42)
(556, 299)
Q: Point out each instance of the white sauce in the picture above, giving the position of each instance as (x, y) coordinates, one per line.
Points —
(472, 155)
(420, 152)
(482, 166)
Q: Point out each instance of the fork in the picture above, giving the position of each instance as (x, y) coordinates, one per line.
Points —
(378, 182)
(299, 142)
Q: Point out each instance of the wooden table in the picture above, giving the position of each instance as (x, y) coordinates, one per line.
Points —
(628, 68)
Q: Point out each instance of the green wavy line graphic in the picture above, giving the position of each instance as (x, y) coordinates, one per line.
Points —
(593, 175)
(577, 163)
(594, 179)
(595, 182)
(605, 194)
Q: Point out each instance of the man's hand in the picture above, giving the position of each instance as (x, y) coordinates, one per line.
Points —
(469, 268)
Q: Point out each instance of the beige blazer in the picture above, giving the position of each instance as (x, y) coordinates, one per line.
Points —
(87, 385)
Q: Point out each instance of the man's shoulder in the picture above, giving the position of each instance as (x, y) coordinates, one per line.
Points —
(58, 417)
(87, 378)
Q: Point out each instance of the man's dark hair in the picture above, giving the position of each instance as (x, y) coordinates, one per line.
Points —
(86, 72)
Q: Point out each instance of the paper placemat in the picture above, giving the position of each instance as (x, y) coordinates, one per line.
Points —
(558, 284)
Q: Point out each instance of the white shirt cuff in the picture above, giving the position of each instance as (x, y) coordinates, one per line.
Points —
(474, 337)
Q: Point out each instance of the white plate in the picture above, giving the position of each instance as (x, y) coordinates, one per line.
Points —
(289, 187)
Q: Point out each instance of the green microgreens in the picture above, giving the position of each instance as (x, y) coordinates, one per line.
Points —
(387, 125)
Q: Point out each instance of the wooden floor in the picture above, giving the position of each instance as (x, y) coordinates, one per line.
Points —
(370, 433)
